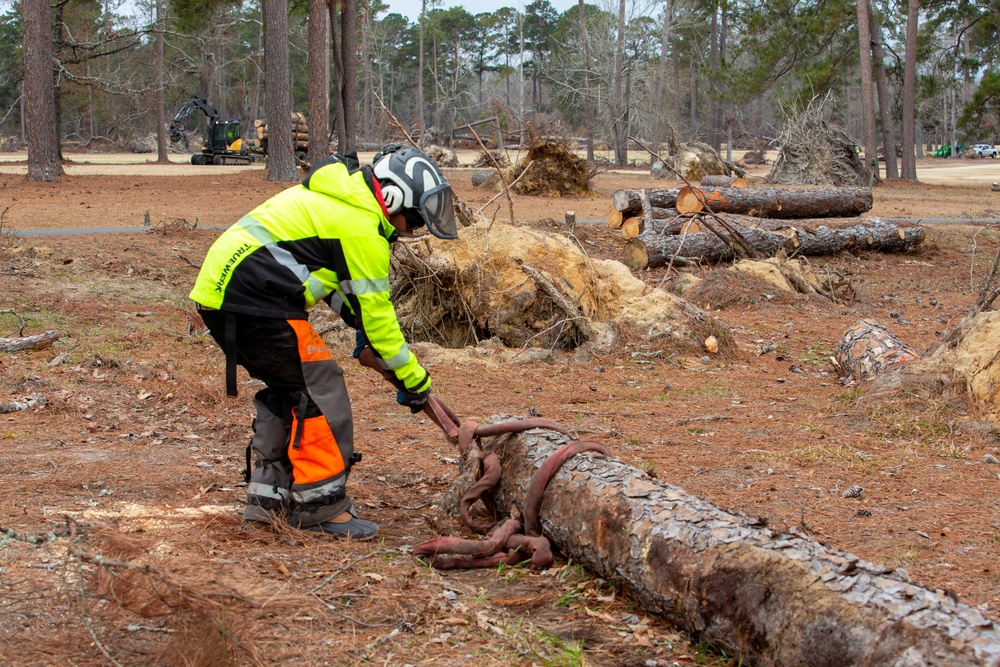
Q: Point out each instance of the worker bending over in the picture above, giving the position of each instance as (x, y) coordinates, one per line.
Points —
(324, 240)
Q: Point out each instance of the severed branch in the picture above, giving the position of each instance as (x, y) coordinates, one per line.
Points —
(734, 236)
(37, 342)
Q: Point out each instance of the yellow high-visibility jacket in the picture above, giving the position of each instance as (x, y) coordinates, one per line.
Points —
(326, 239)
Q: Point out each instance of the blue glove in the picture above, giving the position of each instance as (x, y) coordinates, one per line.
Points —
(414, 401)
(360, 341)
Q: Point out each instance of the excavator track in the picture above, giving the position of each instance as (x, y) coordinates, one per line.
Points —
(232, 159)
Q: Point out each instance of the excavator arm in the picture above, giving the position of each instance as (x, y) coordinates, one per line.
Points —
(177, 127)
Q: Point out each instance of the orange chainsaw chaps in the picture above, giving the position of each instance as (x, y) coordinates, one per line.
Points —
(311, 346)
(315, 456)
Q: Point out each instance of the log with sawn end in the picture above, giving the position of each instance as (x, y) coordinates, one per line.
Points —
(777, 202)
(650, 250)
(763, 595)
(720, 181)
(630, 202)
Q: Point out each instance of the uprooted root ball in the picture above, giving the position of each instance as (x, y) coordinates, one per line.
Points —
(554, 171)
(526, 288)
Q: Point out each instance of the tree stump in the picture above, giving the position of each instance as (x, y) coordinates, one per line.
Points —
(867, 348)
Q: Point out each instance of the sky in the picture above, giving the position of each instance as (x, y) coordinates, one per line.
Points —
(411, 8)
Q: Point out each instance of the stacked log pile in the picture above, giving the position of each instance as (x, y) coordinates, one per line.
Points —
(698, 223)
(300, 133)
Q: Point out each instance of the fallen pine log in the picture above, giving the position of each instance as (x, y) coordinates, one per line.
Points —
(766, 596)
(653, 250)
(777, 202)
(665, 221)
(654, 228)
(37, 342)
(630, 202)
(718, 181)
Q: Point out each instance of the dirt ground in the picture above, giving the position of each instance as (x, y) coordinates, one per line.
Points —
(129, 464)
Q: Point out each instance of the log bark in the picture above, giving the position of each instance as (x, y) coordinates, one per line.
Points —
(867, 348)
(718, 181)
(651, 251)
(765, 596)
(630, 202)
(660, 221)
(780, 202)
(39, 342)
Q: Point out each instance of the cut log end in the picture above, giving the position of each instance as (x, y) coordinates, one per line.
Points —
(635, 255)
(614, 218)
(690, 200)
(631, 227)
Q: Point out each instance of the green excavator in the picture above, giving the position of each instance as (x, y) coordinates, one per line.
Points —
(224, 144)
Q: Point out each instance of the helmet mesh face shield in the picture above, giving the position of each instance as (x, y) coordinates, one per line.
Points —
(413, 185)
(438, 211)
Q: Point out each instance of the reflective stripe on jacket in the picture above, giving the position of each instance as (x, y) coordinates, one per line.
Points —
(326, 239)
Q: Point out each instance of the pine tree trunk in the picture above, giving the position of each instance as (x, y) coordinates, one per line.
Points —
(909, 162)
(884, 100)
(161, 120)
(764, 596)
(588, 103)
(867, 94)
(277, 82)
(420, 76)
(618, 92)
(338, 77)
(349, 44)
(39, 93)
(713, 64)
(318, 76)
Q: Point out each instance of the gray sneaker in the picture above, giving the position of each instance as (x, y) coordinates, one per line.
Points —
(356, 528)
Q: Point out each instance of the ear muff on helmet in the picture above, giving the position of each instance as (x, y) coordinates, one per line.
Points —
(392, 195)
(412, 183)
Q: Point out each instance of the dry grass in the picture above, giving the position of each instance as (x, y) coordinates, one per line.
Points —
(723, 289)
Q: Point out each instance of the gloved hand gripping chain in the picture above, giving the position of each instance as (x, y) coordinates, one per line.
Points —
(505, 542)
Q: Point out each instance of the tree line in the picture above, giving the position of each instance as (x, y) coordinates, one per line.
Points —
(902, 75)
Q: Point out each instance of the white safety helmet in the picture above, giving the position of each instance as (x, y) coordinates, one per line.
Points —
(412, 184)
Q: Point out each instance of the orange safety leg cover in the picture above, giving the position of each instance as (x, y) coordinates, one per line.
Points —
(317, 456)
(311, 346)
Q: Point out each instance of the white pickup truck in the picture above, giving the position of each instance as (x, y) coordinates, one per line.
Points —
(985, 150)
